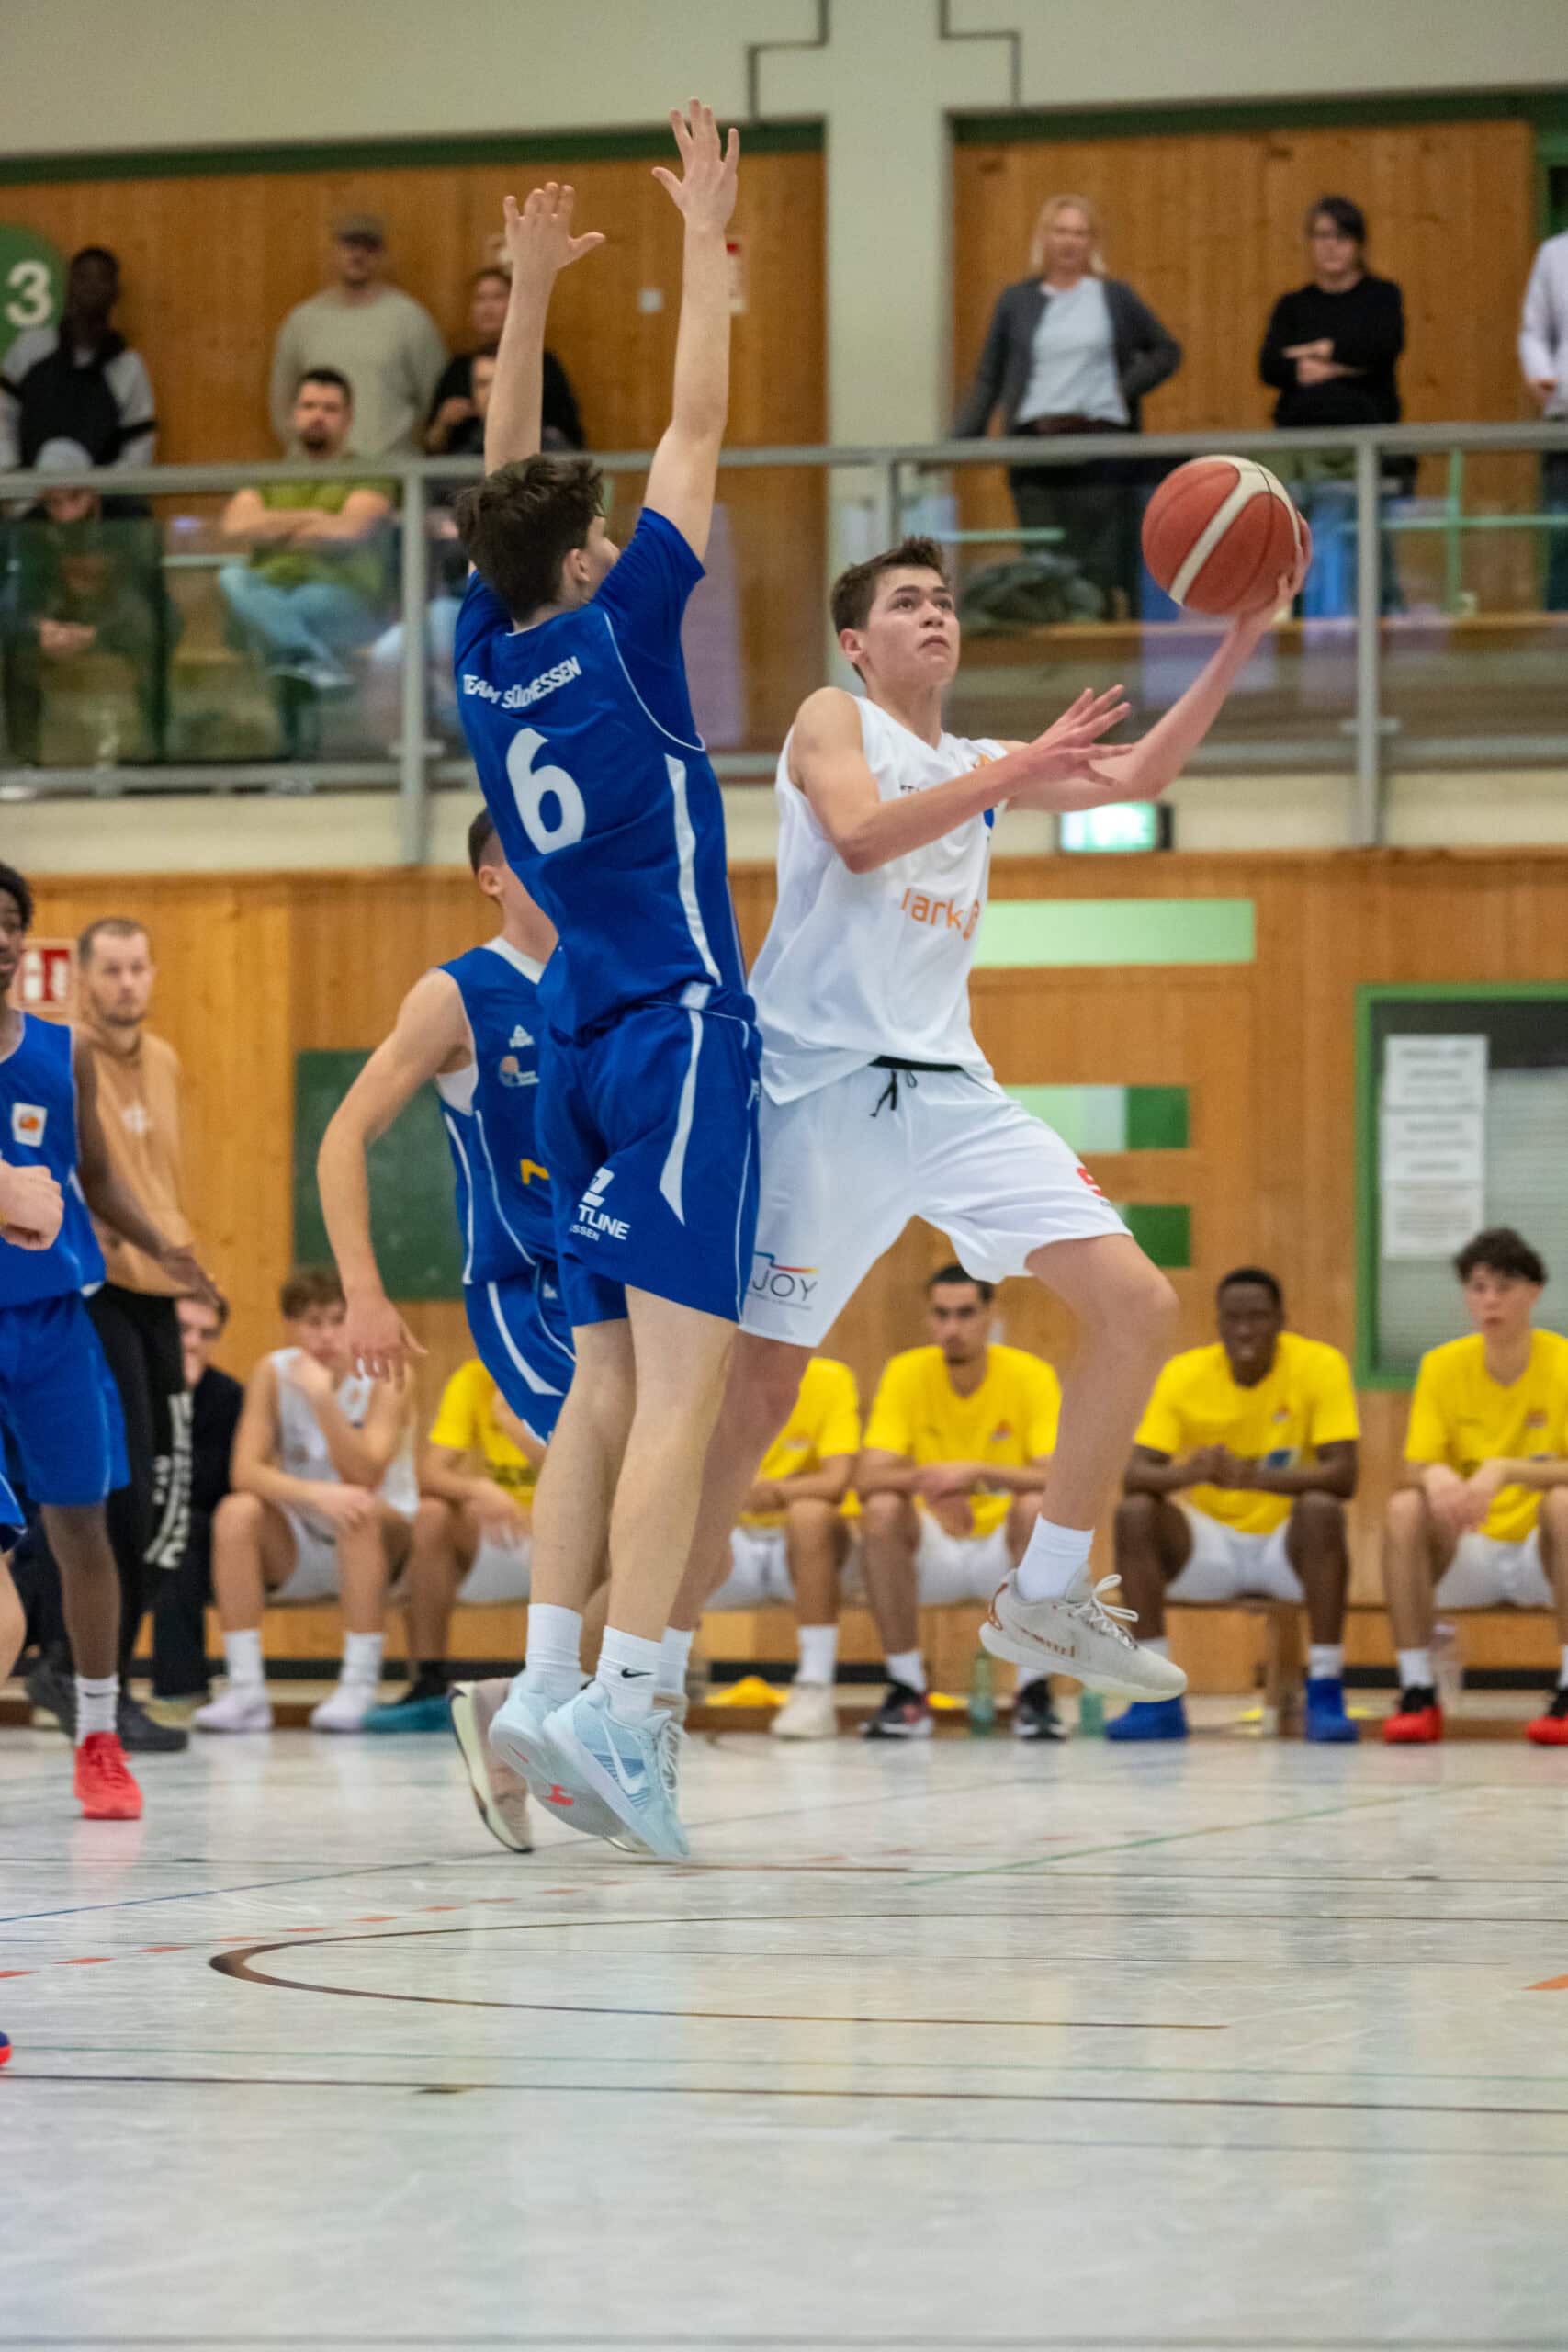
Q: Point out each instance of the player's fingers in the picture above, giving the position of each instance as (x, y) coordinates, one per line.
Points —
(677, 124)
(667, 179)
(732, 150)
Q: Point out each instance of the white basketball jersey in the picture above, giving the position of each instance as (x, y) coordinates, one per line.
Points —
(302, 1450)
(855, 966)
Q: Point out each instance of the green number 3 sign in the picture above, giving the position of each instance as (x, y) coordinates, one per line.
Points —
(32, 280)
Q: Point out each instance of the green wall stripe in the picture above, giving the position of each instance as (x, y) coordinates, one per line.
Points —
(1110, 1118)
(1031, 935)
(1546, 108)
(1162, 1229)
(391, 154)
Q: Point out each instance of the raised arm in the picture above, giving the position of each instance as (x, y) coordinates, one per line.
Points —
(685, 464)
(430, 1035)
(540, 242)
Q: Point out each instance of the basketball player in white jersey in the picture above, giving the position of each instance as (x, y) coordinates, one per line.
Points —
(878, 1105)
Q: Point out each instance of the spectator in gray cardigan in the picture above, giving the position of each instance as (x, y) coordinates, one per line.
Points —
(387, 344)
(1544, 357)
(1070, 350)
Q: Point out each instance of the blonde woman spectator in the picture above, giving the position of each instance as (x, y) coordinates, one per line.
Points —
(1071, 350)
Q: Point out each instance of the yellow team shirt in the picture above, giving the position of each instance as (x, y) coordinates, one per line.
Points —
(824, 1424)
(1460, 1415)
(1011, 1419)
(1306, 1401)
(467, 1423)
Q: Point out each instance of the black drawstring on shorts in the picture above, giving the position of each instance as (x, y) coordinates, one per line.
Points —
(909, 1071)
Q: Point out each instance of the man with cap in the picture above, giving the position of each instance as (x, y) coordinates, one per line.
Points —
(385, 343)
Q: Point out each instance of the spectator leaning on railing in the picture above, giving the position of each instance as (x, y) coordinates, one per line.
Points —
(451, 407)
(1070, 350)
(78, 381)
(385, 343)
(1543, 355)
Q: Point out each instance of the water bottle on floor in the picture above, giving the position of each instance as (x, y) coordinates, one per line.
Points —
(982, 1695)
(1091, 1714)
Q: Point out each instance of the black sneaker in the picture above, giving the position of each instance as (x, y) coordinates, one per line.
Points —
(903, 1715)
(52, 1687)
(1034, 1715)
(140, 1736)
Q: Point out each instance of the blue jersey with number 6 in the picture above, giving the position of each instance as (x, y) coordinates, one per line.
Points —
(604, 799)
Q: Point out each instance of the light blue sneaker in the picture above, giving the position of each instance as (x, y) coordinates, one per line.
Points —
(518, 1737)
(633, 1769)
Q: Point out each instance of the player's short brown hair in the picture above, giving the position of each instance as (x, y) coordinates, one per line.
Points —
(855, 590)
(108, 927)
(1502, 1250)
(946, 1276)
(484, 842)
(310, 1286)
(521, 522)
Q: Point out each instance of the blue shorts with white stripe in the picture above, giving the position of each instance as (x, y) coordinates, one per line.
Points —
(649, 1128)
(524, 1338)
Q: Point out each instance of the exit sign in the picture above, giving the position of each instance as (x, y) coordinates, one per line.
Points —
(46, 979)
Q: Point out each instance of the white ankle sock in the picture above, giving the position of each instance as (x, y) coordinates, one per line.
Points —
(362, 1657)
(1158, 1643)
(818, 1646)
(1055, 1559)
(628, 1673)
(1326, 1661)
(551, 1667)
(674, 1656)
(97, 1704)
(243, 1659)
(1415, 1669)
(906, 1666)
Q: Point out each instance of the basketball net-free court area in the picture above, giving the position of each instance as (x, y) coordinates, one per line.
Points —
(959, 2044)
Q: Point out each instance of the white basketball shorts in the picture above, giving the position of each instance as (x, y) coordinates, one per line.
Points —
(314, 1575)
(759, 1571)
(1487, 1573)
(501, 1572)
(950, 1568)
(846, 1166)
(1224, 1563)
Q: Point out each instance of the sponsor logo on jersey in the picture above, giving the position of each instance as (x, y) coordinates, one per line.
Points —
(593, 1221)
(136, 1119)
(1535, 1419)
(787, 1285)
(1085, 1177)
(529, 1168)
(1002, 1432)
(522, 697)
(519, 1038)
(511, 1072)
(942, 914)
(28, 1120)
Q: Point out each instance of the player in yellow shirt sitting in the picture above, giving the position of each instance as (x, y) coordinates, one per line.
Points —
(472, 1535)
(794, 1538)
(956, 1450)
(1484, 1518)
(1260, 1432)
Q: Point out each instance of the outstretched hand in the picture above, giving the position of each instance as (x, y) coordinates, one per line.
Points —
(538, 238)
(1284, 592)
(1071, 768)
(706, 191)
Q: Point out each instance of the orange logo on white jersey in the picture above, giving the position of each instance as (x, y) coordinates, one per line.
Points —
(27, 1123)
(942, 914)
(1088, 1180)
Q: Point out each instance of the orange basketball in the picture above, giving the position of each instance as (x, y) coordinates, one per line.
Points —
(1218, 533)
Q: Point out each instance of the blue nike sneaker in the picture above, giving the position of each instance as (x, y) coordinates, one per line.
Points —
(517, 1735)
(1150, 1719)
(1325, 1718)
(630, 1768)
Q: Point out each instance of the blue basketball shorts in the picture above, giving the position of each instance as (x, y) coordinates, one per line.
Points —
(58, 1404)
(523, 1336)
(651, 1131)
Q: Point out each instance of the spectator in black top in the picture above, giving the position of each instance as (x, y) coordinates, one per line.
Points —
(78, 381)
(453, 405)
(1070, 350)
(1330, 354)
(213, 1399)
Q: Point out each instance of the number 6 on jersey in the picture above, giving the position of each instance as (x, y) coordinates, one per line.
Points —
(532, 787)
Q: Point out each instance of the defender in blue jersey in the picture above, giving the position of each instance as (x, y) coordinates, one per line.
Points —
(574, 702)
(59, 1407)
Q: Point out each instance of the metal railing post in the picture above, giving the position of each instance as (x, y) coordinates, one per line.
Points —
(413, 795)
(1366, 828)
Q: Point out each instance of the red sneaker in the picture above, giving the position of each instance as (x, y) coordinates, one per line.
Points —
(104, 1784)
(1551, 1730)
(1416, 1720)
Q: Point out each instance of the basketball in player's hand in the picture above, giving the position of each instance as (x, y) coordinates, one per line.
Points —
(1219, 532)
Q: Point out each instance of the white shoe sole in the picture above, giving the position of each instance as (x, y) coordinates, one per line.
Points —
(471, 1747)
(576, 1762)
(564, 1797)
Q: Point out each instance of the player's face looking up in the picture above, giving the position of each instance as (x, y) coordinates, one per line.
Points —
(957, 1319)
(911, 634)
(1250, 1320)
(1500, 1304)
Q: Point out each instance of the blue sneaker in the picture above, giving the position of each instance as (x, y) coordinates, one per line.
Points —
(1325, 1718)
(629, 1766)
(517, 1736)
(431, 1713)
(1150, 1719)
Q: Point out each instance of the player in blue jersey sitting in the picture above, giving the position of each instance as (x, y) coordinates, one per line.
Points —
(574, 702)
(59, 1407)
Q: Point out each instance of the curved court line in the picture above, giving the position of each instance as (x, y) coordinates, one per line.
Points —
(237, 1964)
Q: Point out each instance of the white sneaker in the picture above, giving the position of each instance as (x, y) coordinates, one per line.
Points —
(245, 1706)
(516, 1739)
(346, 1709)
(809, 1712)
(1077, 1633)
(500, 1794)
(633, 1768)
